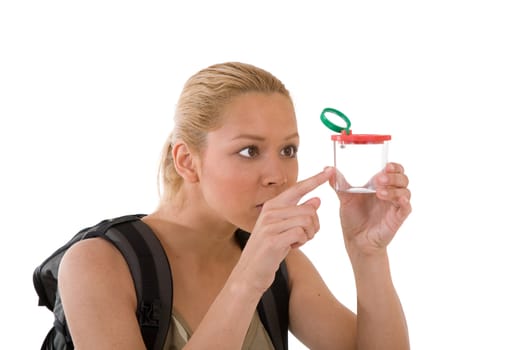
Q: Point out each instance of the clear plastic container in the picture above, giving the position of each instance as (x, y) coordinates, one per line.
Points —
(357, 159)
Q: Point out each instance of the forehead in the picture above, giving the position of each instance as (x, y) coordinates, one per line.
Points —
(259, 112)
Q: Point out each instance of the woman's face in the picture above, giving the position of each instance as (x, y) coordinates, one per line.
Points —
(251, 158)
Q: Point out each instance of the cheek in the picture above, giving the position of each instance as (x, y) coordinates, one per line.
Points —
(234, 184)
(293, 171)
(225, 185)
(232, 196)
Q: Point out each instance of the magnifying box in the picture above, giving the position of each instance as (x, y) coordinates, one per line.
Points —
(357, 157)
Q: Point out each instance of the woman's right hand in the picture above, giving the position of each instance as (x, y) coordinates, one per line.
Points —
(282, 225)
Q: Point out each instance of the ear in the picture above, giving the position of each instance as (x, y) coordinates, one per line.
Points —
(184, 162)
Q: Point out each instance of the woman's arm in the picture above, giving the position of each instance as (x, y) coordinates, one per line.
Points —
(98, 296)
(317, 318)
(226, 322)
(369, 222)
(381, 322)
(320, 321)
(281, 225)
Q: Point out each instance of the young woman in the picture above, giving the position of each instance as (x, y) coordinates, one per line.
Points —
(226, 166)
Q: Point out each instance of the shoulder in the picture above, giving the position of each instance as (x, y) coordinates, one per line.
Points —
(92, 254)
(94, 264)
(98, 296)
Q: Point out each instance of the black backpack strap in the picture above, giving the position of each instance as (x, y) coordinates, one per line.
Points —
(151, 274)
(273, 308)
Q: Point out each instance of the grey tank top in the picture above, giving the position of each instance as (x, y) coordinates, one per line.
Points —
(179, 332)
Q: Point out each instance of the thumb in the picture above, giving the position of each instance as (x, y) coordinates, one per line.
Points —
(314, 202)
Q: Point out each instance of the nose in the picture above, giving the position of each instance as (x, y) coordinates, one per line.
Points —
(275, 173)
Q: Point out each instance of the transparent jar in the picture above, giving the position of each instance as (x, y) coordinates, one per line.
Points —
(357, 159)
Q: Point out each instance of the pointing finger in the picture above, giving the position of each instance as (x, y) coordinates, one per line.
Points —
(292, 195)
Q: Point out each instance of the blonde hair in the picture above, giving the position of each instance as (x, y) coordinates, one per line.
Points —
(200, 106)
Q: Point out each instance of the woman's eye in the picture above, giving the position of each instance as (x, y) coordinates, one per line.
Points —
(249, 152)
(289, 151)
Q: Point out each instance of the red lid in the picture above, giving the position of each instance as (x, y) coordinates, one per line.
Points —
(345, 138)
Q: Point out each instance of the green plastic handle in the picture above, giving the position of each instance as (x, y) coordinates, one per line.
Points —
(333, 126)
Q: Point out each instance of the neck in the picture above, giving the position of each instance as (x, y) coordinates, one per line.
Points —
(191, 230)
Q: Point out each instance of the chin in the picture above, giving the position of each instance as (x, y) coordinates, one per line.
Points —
(247, 221)
(247, 228)
(247, 225)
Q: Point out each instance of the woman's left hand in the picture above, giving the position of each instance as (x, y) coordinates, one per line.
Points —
(370, 221)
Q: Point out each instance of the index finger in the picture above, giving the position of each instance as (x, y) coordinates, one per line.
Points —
(296, 192)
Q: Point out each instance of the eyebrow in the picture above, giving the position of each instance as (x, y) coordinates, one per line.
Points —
(260, 138)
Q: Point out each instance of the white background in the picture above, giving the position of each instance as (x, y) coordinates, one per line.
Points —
(88, 90)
